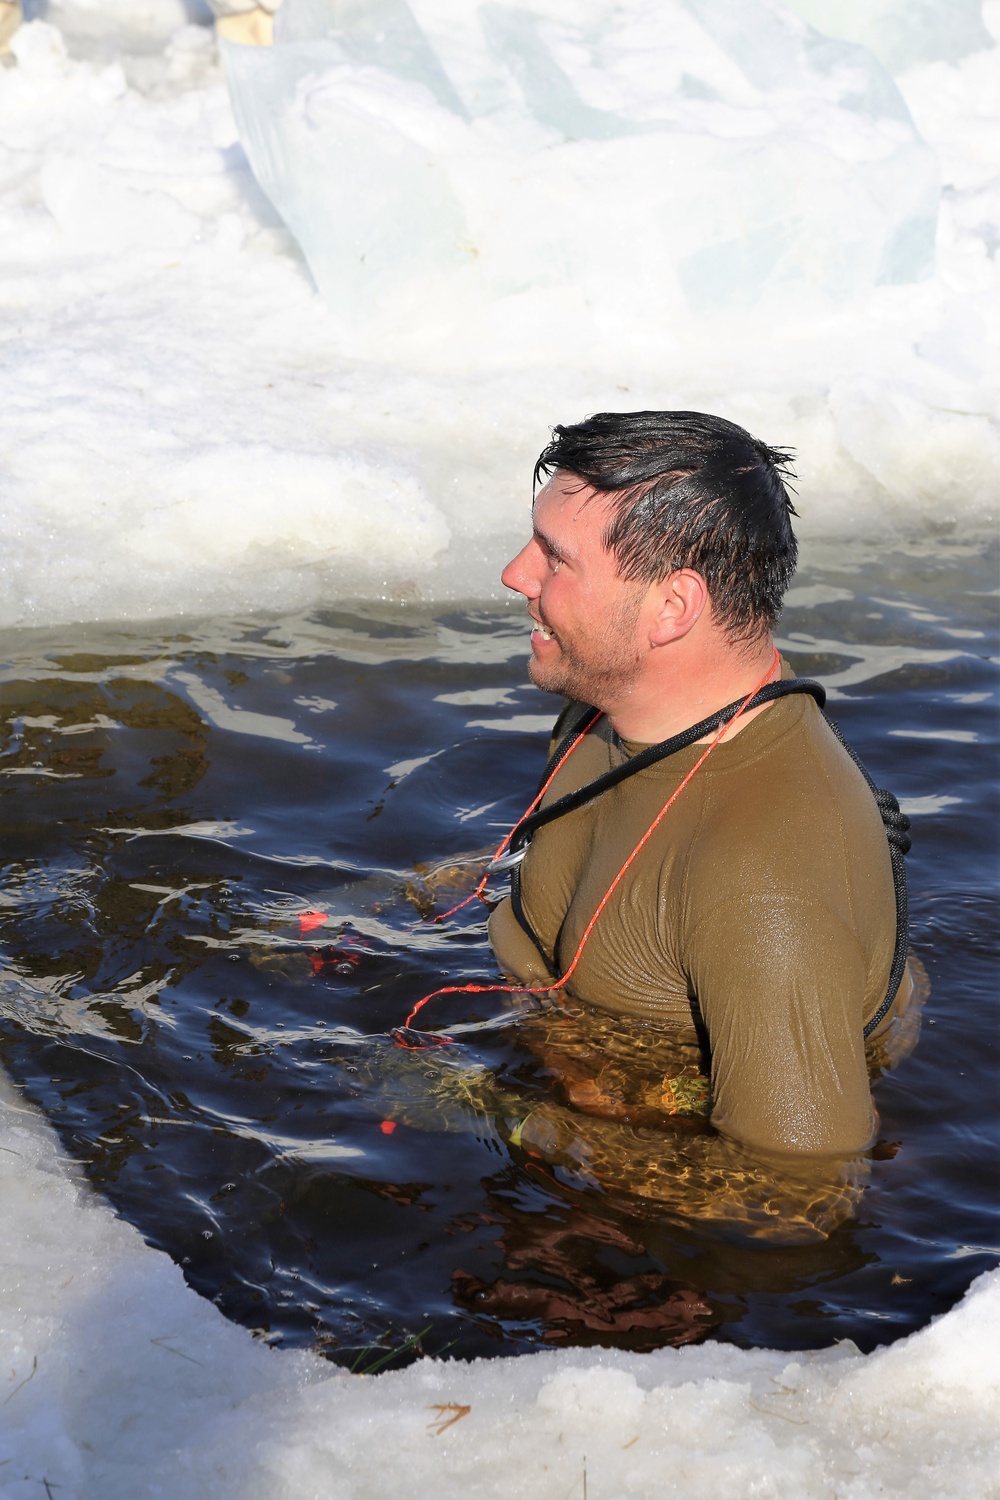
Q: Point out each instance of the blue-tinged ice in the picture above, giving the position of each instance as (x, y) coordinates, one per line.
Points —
(460, 174)
(902, 33)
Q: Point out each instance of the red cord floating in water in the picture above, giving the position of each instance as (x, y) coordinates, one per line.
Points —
(407, 1036)
(308, 920)
(331, 960)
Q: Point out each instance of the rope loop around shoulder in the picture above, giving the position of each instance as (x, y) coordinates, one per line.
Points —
(897, 832)
(651, 755)
(894, 821)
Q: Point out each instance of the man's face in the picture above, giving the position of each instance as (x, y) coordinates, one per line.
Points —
(588, 641)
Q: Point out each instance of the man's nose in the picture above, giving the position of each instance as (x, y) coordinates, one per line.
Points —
(520, 576)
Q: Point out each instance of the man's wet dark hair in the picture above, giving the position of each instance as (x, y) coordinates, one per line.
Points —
(689, 491)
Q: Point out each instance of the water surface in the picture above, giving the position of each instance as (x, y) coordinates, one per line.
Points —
(175, 797)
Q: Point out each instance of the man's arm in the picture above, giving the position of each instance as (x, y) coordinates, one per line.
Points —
(704, 1179)
(707, 1180)
(783, 1005)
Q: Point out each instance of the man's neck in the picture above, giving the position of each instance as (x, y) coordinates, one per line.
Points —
(676, 691)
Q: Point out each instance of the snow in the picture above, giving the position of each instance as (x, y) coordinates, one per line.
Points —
(119, 1382)
(901, 33)
(589, 164)
(187, 425)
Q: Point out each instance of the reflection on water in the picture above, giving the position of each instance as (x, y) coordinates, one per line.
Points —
(175, 800)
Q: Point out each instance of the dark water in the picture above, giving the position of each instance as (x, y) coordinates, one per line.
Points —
(173, 798)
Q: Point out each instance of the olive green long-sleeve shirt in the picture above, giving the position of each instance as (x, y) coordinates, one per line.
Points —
(758, 924)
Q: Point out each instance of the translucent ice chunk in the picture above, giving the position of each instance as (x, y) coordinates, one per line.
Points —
(902, 33)
(379, 33)
(563, 168)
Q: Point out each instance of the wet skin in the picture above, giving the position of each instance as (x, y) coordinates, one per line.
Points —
(652, 656)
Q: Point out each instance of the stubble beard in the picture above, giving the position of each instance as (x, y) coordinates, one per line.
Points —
(599, 671)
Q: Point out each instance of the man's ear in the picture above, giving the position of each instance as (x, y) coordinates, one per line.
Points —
(681, 602)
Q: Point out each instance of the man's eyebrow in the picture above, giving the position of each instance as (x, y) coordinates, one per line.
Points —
(549, 544)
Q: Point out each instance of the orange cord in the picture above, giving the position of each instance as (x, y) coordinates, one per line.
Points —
(478, 892)
(558, 984)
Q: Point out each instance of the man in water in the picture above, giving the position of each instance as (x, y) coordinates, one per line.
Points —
(750, 940)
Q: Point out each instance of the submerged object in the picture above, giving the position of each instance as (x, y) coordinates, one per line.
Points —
(418, 1041)
(569, 166)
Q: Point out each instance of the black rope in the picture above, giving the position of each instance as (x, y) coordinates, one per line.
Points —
(648, 757)
(895, 823)
(897, 831)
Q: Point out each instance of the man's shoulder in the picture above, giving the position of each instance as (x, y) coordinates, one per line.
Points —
(793, 745)
(812, 762)
(792, 813)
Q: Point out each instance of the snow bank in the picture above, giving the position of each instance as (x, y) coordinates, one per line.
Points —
(118, 1382)
(460, 178)
(901, 33)
(187, 425)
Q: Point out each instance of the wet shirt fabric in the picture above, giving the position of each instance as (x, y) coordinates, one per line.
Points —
(758, 923)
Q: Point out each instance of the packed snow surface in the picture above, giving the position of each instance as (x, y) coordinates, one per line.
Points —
(119, 1383)
(186, 423)
(562, 208)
